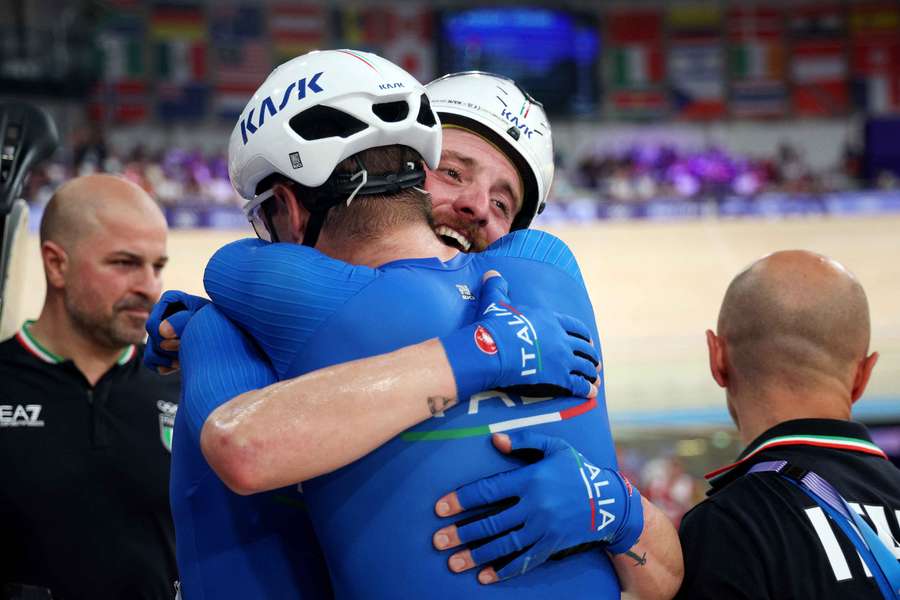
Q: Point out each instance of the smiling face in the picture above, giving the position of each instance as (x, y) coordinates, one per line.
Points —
(476, 191)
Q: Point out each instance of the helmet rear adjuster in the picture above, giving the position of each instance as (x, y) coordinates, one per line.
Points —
(343, 187)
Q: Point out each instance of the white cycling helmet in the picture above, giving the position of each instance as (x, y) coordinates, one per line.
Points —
(316, 110)
(496, 108)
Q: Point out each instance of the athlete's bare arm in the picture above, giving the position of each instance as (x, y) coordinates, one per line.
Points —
(653, 568)
(304, 427)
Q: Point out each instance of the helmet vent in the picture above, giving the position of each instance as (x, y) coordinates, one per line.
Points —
(426, 115)
(391, 112)
(319, 122)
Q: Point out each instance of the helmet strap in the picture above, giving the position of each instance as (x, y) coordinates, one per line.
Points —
(321, 202)
(266, 212)
(363, 176)
(337, 188)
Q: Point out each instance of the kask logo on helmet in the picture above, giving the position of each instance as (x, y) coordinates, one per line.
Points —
(248, 127)
(514, 120)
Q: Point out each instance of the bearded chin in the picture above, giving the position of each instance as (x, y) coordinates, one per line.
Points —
(478, 241)
(478, 244)
(109, 330)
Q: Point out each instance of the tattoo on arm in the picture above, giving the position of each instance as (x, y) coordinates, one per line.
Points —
(438, 404)
(639, 561)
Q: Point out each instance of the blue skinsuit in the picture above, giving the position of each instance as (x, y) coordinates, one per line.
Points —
(375, 517)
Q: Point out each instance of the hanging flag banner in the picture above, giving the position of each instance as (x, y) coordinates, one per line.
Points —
(827, 21)
(120, 95)
(818, 69)
(819, 75)
(696, 79)
(409, 43)
(123, 101)
(756, 62)
(230, 23)
(634, 68)
(176, 102)
(180, 59)
(404, 37)
(875, 57)
(364, 27)
(242, 68)
(241, 57)
(297, 28)
(170, 20)
(696, 66)
(694, 21)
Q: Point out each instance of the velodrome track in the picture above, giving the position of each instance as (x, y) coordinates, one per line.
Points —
(656, 287)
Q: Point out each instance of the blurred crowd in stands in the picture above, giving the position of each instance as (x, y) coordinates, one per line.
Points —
(648, 171)
(638, 173)
(172, 176)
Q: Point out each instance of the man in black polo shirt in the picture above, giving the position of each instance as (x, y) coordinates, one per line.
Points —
(85, 430)
(792, 354)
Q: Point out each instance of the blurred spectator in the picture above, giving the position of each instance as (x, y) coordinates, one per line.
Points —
(89, 148)
(646, 171)
(636, 173)
(662, 477)
(669, 487)
(176, 176)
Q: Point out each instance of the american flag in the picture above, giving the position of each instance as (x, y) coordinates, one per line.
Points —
(241, 67)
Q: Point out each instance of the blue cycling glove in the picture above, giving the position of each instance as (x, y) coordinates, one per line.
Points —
(564, 501)
(177, 308)
(522, 345)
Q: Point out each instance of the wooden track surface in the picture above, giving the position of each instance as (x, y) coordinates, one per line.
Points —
(656, 287)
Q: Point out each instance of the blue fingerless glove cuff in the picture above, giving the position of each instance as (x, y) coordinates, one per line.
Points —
(474, 358)
(632, 525)
(154, 360)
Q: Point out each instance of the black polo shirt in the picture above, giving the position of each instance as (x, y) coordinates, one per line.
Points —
(759, 536)
(84, 502)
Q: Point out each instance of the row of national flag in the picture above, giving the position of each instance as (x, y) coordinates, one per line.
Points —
(203, 57)
(702, 61)
(180, 60)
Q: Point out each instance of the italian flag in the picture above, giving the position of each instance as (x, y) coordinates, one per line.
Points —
(121, 57)
(757, 60)
(181, 61)
(456, 433)
(636, 65)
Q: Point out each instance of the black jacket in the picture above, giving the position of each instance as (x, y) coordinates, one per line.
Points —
(759, 536)
(84, 502)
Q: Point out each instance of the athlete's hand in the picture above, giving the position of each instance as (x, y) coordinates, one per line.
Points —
(164, 327)
(519, 345)
(564, 501)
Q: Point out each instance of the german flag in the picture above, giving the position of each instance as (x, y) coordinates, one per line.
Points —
(177, 21)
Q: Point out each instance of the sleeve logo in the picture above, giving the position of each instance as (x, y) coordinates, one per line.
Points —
(485, 341)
